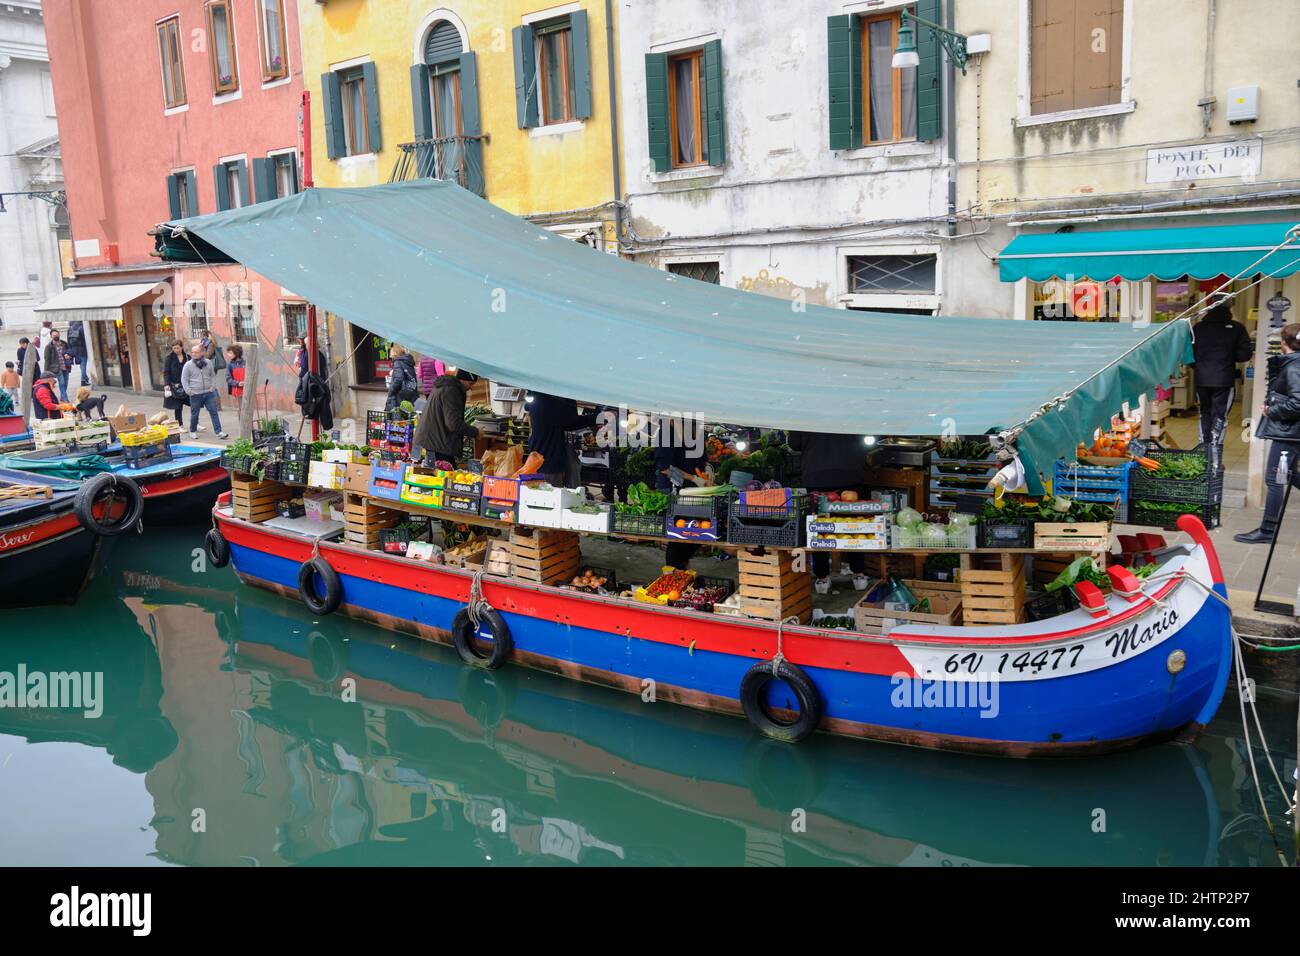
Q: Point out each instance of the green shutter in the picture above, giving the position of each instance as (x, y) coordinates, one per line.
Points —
(929, 74)
(222, 187)
(263, 179)
(331, 104)
(241, 174)
(581, 64)
(713, 109)
(525, 77)
(844, 79)
(373, 126)
(191, 191)
(174, 195)
(656, 109)
(421, 107)
(471, 124)
(293, 168)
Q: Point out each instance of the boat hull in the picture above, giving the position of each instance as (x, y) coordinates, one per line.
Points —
(48, 560)
(183, 496)
(903, 688)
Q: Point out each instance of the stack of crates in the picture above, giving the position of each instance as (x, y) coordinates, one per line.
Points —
(1103, 484)
(1160, 501)
(53, 432)
(145, 447)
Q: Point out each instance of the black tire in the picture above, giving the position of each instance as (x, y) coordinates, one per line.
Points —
(217, 548)
(327, 602)
(810, 704)
(106, 489)
(462, 638)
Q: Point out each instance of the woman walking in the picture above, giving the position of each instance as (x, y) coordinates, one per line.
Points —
(174, 397)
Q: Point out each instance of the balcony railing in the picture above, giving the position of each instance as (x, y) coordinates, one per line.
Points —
(456, 159)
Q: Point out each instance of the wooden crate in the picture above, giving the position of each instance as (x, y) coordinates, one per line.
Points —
(254, 500)
(1078, 536)
(14, 492)
(992, 588)
(902, 565)
(946, 609)
(771, 588)
(363, 520)
(544, 556)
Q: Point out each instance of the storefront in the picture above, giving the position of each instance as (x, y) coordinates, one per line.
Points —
(112, 347)
(159, 333)
(111, 322)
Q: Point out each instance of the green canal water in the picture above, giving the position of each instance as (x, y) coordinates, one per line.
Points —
(238, 731)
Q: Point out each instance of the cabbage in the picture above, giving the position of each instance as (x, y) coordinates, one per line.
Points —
(960, 522)
(908, 518)
(934, 534)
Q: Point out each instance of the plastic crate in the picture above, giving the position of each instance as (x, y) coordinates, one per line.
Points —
(773, 534)
(1105, 484)
(1051, 604)
(1006, 534)
(142, 456)
(796, 505)
(1205, 490)
(650, 526)
(1168, 520)
(294, 472)
(905, 539)
(695, 513)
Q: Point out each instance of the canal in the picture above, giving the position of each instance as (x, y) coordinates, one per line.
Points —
(236, 730)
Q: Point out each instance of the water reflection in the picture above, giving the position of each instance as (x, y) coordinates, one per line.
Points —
(266, 738)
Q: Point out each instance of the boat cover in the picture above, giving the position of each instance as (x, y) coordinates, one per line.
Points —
(440, 270)
(64, 467)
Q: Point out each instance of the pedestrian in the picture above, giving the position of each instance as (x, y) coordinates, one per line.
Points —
(199, 379)
(441, 431)
(59, 361)
(1280, 423)
(43, 335)
(23, 344)
(403, 383)
(429, 370)
(45, 404)
(833, 463)
(236, 370)
(174, 397)
(11, 381)
(1220, 343)
(550, 418)
(77, 346)
(300, 360)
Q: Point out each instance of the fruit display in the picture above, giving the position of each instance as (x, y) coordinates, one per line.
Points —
(592, 581)
(669, 586)
(700, 599)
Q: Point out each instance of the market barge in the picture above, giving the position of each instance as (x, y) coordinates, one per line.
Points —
(1151, 669)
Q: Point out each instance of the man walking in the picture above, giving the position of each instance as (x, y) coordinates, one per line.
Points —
(199, 379)
(59, 361)
(1220, 343)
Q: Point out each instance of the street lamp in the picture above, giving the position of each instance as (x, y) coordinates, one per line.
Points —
(905, 55)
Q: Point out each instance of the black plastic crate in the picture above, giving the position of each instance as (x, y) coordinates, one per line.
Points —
(240, 463)
(293, 471)
(142, 456)
(1206, 489)
(705, 581)
(1168, 520)
(611, 579)
(271, 470)
(1006, 534)
(796, 507)
(646, 525)
(1050, 604)
(773, 534)
(713, 507)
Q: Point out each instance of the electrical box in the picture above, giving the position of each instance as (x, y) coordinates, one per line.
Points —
(1243, 104)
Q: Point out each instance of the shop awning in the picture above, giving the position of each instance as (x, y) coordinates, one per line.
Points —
(94, 303)
(438, 269)
(1202, 252)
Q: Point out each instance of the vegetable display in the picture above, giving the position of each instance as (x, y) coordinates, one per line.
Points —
(643, 500)
(1181, 468)
(1047, 508)
(965, 449)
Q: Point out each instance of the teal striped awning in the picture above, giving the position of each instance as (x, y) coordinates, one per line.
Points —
(1201, 252)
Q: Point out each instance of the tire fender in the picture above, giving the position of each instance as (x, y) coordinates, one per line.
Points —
(463, 632)
(755, 682)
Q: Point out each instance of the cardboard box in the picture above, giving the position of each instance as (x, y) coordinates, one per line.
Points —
(842, 534)
(343, 456)
(128, 421)
(356, 479)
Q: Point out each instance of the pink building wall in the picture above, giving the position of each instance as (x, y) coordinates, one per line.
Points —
(121, 145)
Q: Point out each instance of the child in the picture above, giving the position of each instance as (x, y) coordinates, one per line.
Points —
(86, 404)
(11, 381)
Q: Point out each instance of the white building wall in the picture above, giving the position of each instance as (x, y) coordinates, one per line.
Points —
(781, 212)
(30, 270)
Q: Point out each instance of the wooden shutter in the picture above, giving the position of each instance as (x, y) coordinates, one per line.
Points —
(223, 187)
(713, 106)
(1069, 68)
(525, 77)
(421, 105)
(191, 192)
(331, 104)
(373, 126)
(656, 110)
(581, 47)
(174, 195)
(844, 79)
(471, 124)
(263, 179)
(929, 74)
(241, 176)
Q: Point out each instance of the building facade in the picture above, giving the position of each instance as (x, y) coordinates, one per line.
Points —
(509, 98)
(33, 218)
(175, 109)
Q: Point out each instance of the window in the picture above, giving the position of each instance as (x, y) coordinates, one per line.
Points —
(686, 108)
(221, 38)
(230, 177)
(196, 311)
(275, 60)
(710, 271)
(555, 71)
(169, 49)
(890, 101)
(293, 322)
(350, 101)
(356, 126)
(243, 320)
(1076, 52)
(286, 174)
(182, 195)
(895, 274)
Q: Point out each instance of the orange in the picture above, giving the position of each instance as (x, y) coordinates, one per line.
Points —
(681, 522)
(706, 524)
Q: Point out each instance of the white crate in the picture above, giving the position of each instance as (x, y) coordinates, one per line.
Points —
(954, 539)
(597, 523)
(543, 506)
(342, 456)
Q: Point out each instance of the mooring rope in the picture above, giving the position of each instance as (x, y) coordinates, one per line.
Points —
(477, 601)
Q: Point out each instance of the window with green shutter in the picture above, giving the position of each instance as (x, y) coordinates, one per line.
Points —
(553, 71)
(844, 79)
(232, 187)
(182, 195)
(350, 104)
(684, 108)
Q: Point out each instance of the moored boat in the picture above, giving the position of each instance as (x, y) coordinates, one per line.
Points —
(14, 434)
(1151, 669)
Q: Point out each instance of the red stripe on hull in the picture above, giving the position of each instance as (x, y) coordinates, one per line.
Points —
(182, 483)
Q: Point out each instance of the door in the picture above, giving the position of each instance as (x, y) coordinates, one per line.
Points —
(158, 335)
(447, 128)
(105, 335)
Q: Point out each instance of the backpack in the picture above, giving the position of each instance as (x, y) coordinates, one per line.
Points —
(410, 389)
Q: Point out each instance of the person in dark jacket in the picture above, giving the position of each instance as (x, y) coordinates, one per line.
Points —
(833, 463)
(77, 347)
(1220, 343)
(403, 382)
(549, 418)
(1280, 423)
(174, 397)
(441, 431)
(23, 344)
(670, 452)
(45, 403)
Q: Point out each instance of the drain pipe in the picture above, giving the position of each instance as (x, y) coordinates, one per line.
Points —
(613, 125)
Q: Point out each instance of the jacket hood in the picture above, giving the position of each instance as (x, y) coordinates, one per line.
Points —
(405, 359)
(446, 381)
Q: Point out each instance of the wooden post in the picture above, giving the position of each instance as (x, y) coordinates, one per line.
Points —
(29, 376)
(248, 403)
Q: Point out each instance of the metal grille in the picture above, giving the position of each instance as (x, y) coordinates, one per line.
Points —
(703, 271)
(456, 159)
(197, 313)
(243, 317)
(891, 274)
(293, 317)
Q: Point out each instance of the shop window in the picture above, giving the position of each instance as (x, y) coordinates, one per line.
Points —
(889, 103)
(196, 312)
(275, 58)
(552, 71)
(230, 179)
(293, 322)
(182, 195)
(221, 35)
(892, 274)
(1076, 53)
(1059, 300)
(710, 271)
(173, 73)
(371, 362)
(243, 320)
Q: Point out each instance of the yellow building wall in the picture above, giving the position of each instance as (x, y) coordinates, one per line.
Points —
(526, 171)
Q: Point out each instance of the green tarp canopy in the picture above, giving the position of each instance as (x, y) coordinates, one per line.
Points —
(431, 266)
(1202, 252)
(67, 468)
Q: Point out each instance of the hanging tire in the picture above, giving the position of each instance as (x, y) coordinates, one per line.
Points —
(327, 602)
(463, 634)
(104, 491)
(761, 719)
(217, 548)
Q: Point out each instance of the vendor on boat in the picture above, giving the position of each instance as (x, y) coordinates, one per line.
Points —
(687, 457)
(833, 463)
(45, 403)
(441, 431)
(550, 418)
